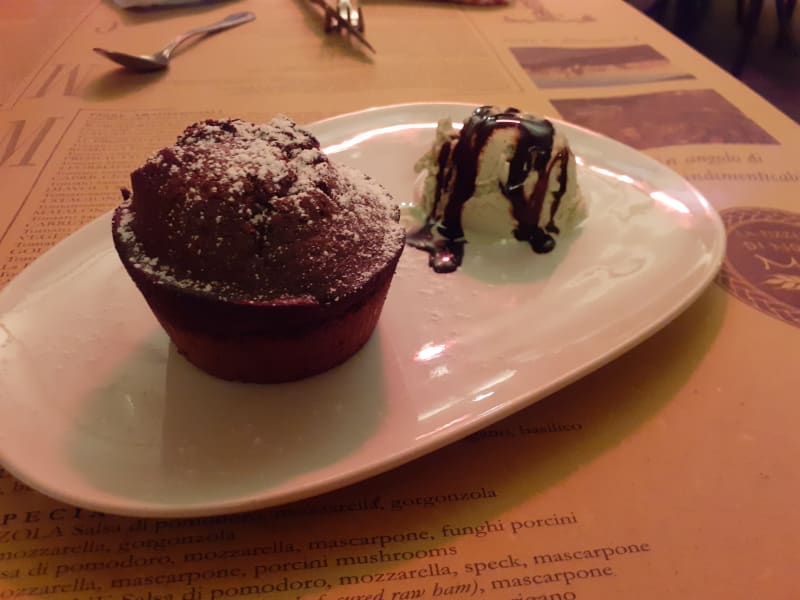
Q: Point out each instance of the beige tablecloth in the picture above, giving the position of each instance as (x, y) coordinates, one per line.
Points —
(668, 473)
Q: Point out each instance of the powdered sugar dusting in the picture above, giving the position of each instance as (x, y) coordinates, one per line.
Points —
(256, 212)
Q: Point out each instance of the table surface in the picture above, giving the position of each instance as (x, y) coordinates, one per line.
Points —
(669, 472)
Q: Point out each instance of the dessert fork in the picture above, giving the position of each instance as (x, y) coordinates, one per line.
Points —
(351, 11)
(345, 17)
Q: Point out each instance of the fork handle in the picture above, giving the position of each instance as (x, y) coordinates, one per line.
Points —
(229, 21)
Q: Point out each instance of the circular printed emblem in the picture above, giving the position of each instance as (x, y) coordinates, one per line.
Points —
(762, 260)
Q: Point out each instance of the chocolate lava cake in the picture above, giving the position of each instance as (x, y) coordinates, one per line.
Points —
(263, 260)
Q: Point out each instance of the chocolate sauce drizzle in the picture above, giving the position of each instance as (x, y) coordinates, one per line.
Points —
(458, 169)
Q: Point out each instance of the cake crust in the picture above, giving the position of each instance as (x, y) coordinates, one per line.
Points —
(255, 251)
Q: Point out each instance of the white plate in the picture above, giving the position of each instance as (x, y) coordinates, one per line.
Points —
(98, 410)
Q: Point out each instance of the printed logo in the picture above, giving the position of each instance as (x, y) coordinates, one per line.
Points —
(762, 262)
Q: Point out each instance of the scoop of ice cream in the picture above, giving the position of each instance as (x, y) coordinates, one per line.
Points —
(504, 174)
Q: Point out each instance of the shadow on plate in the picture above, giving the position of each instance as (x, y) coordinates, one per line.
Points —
(192, 439)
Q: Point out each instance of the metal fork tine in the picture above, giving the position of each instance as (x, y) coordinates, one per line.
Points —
(344, 17)
(345, 10)
(360, 20)
(351, 11)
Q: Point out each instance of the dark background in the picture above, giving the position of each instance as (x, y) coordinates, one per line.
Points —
(769, 63)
